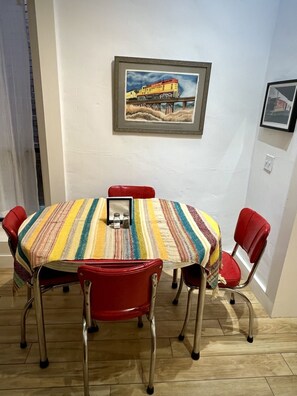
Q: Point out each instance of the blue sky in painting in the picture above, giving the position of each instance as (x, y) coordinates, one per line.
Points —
(135, 79)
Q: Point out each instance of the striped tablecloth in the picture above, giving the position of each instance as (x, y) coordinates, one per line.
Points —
(76, 230)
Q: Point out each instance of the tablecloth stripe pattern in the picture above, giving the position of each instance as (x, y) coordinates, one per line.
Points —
(77, 230)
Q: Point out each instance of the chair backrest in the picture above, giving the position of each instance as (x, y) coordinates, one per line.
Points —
(119, 289)
(11, 224)
(251, 233)
(131, 191)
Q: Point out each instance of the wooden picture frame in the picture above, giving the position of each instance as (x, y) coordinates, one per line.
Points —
(160, 96)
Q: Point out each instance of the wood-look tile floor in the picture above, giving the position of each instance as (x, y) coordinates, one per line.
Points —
(119, 352)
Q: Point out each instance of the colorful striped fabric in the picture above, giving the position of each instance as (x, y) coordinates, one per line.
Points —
(178, 234)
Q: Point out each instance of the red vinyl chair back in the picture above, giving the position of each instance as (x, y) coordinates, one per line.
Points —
(131, 191)
(251, 233)
(11, 224)
(119, 290)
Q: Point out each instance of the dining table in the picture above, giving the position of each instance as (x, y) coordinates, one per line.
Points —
(65, 235)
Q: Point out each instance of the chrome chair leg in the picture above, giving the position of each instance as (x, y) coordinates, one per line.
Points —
(250, 337)
(180, 287)
(199, 316)
(182, 333)
(140, 322)
(29, 293)
(174, 279)
(94, 328)
(28, 305)
(150, 388)
(40, 320)
(232, 298)
(85, 358)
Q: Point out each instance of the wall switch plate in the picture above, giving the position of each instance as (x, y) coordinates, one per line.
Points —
(268, 164)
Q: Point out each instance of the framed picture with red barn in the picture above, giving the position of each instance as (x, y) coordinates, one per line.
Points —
(159, 95)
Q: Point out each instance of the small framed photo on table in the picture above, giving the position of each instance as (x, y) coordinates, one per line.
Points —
(119, 205)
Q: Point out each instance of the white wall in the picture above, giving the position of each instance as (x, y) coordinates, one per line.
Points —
(274, 194)
(209, 172)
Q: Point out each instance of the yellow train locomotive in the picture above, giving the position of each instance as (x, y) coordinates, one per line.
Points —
(131, 95)
(164, 89)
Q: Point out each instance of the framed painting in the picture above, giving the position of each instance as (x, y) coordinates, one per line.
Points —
(280, 106)
(160, 96)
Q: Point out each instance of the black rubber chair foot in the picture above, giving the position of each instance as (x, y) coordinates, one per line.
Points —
(175, 302)
(140, 325)
(23, 345)
(149, 390)
(232, 302)
(250, 339)
(44, 364)
(195, 356)
(93, 329)
(174, 285)
(181, 337)
(65, 289)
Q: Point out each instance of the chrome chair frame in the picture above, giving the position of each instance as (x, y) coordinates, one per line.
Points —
(254, 247)
(200, 309)
(37, 299)
(87, 322)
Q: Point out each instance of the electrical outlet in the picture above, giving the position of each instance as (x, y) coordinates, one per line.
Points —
(268, 164)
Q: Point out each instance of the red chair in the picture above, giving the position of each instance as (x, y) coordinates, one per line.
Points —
(119, 290)
(251, 235)
(131, 191)
(48, 278)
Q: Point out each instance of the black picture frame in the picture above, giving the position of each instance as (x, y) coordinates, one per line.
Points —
(119, 205)
(160, 95)
(280, 106)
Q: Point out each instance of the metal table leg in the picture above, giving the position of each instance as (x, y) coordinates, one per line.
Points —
(199, 316)
(40, 320)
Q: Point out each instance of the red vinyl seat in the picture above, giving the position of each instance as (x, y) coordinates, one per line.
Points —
(119, 290)
(131, 191)
(230, 271)
(251, 235)
(48, 278)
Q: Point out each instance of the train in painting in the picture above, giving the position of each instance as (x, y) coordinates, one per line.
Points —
(164, 89)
